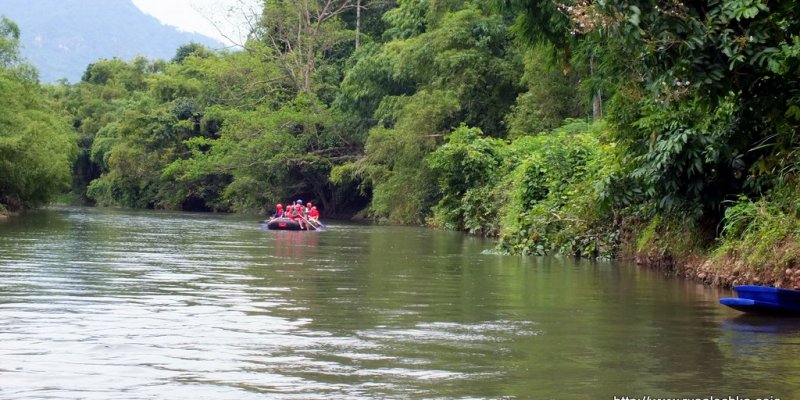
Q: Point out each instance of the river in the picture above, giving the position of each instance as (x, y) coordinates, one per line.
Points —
(102, 304)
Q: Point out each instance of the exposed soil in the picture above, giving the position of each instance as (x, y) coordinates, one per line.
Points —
(729, 270)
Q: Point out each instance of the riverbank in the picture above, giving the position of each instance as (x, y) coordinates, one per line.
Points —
(757, 247)
(730, 269)
(727, 272)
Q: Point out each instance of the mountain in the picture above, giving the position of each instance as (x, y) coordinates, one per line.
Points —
(62, 37)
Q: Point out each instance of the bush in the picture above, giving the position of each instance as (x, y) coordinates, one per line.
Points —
(763, 233)
(468, 169)
(667, 238)
(554, 205)
(540, 194)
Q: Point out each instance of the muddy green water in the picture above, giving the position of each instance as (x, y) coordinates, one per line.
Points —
(110, 304)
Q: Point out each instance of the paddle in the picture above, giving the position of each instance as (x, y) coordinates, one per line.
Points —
(309, 223)
(266, 221)
(320, 225)
(273, 217)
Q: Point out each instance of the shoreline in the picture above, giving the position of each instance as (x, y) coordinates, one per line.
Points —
(699, 266)
(731, 271)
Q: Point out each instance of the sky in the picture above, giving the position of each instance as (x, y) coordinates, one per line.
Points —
(214, 18)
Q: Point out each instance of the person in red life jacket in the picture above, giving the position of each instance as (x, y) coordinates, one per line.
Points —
(313, 214)
(278, 213)
(297, 213)
(293, 211)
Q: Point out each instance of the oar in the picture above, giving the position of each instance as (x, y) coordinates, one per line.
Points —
(318, 224)
(308, 222)
(266, 221)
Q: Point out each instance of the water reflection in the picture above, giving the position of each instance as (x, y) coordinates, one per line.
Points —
(293, 243)
(762, 324)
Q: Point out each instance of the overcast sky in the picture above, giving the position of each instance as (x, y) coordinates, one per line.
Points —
(208, 17)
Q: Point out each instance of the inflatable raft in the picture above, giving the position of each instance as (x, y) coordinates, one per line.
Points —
(286, 224)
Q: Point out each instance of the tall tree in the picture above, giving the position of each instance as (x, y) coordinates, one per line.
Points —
(36, 144)
(296, 34)
(9, 42)
(418, 87)
(556, 25)
(708, 101)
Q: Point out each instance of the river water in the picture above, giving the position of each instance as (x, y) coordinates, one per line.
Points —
(112, 304)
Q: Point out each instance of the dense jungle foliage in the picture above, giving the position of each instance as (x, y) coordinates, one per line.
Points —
(580, 127)
(37, 145)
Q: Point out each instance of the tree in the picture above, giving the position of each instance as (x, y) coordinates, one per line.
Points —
(704, 96)
(552, 95)
(412, 91)
(709, 94)
(557, 25)
(296, 34)
(468, 168)
(9, 42)
(191, 49)
(36, 144)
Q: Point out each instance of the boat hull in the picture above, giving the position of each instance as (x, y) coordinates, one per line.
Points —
(767, 294)
(760, 307)
(285, 224)
(764, 300)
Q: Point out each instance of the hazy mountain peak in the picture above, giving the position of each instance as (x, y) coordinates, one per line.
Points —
(62, 37)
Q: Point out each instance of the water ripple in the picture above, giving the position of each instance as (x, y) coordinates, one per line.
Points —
(99, 304)
(143, 305)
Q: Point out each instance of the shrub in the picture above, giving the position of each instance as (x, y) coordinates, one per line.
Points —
(468, 169)
(763, 233)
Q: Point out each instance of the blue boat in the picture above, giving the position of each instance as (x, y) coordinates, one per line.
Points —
(764, 300)
(767, 294)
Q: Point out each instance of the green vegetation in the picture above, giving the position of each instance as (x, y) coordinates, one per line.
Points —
(36, 144)
(763, 233)
(598, 129)
(539, 193)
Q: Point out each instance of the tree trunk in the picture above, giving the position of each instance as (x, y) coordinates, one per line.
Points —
(358, 24)
(597, 105)
(597, 99)
(308, 75)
